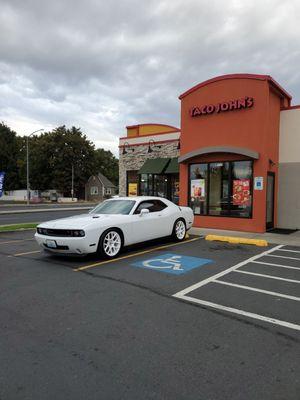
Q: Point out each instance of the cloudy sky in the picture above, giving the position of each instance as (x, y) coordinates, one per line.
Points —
(105, 64)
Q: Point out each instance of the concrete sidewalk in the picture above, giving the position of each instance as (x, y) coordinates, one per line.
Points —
(292, 239)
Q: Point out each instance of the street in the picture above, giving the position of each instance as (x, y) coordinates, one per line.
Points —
(40, 213)
(88, 328)
(11, 207)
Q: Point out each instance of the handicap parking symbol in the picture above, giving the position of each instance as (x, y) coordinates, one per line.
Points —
(172, 263)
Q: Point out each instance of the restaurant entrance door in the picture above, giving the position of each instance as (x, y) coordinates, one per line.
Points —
(270, 200)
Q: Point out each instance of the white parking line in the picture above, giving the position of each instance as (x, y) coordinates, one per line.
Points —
(216, 276)
(258, 290)
(215, 279)
(275, 265)
(16, 241)
(293, 251)
(268, 276)
(290, 258)
(23, 254)
(240, 312)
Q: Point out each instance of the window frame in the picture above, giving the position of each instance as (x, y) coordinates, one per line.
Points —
(95, 193)
(229, 215)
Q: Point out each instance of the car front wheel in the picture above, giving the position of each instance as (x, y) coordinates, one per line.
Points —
(110, 244)
(179, 230)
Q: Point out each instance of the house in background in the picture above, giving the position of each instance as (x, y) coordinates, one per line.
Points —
(98, 188)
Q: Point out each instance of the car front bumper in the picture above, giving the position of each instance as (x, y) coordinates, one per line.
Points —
(66, 245)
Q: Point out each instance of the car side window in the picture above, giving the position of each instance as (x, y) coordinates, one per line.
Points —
(152, 206)
(144, 204)
(159, 205)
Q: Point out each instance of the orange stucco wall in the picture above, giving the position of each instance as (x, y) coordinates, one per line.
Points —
(255, 128)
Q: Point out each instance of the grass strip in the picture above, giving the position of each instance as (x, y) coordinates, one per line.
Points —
(18, 227)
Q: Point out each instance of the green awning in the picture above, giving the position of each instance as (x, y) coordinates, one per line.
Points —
(173, 167)
(154, 166)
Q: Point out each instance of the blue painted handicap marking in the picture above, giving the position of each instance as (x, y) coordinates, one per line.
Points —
(172, 263)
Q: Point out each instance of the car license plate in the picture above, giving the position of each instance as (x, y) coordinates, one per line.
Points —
(51, 243)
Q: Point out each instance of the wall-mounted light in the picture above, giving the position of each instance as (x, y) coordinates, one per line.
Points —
(129, 149)
(152, 146)
(271, 162)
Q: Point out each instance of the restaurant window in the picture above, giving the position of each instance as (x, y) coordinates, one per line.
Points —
(146, 184)
(218, 188)
(160, 185)
(132, 183)
(221, 188)
(198, 188)
(174, 196)
(241, 197)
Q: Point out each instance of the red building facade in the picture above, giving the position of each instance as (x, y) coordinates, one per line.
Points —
(230, 151)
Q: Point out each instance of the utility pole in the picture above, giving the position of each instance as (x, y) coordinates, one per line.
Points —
(27, 163)
(72, 190)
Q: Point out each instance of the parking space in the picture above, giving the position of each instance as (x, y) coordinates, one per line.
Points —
(264, 287)
(162, 266)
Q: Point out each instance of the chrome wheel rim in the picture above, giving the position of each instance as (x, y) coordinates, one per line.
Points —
(180, 230)
(112, 243)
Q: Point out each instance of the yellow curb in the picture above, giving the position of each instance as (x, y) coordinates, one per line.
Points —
(233, 239)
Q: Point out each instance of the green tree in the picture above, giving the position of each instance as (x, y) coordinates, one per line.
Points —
(107, 164)
(51, 156)
(55, 154)
(8, 157)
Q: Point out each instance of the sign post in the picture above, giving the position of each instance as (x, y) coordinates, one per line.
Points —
(2, 175)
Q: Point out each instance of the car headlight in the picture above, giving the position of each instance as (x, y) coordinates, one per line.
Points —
(78, 233)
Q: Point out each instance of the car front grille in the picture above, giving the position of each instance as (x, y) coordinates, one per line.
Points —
(60, 232)
(55, 232)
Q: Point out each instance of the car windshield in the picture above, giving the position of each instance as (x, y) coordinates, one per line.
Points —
(114, 207)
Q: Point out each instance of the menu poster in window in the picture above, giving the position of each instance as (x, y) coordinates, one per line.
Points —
(132, 189)
(198, 188)
(241, 192)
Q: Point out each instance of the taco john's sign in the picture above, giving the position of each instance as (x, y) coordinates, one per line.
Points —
(238, 104)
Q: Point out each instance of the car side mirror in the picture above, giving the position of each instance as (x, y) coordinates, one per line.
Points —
(144, 211)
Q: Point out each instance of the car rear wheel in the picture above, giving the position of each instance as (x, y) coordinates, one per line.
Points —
(179, 230)
(110, 244)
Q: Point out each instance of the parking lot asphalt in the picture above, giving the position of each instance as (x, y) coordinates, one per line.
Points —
(194, 320)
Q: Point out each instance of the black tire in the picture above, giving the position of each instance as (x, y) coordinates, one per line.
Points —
(179, 230)
(106, 247)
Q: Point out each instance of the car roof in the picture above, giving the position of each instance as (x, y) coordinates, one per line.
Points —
(139, 198)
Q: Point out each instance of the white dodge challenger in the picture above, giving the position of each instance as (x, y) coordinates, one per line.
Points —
(115, 223)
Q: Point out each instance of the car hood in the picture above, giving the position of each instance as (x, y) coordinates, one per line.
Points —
(80, 221)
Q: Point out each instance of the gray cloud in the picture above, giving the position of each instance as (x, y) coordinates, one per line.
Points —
(103, 65)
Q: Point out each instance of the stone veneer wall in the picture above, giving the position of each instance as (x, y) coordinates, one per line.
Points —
(134, 160)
